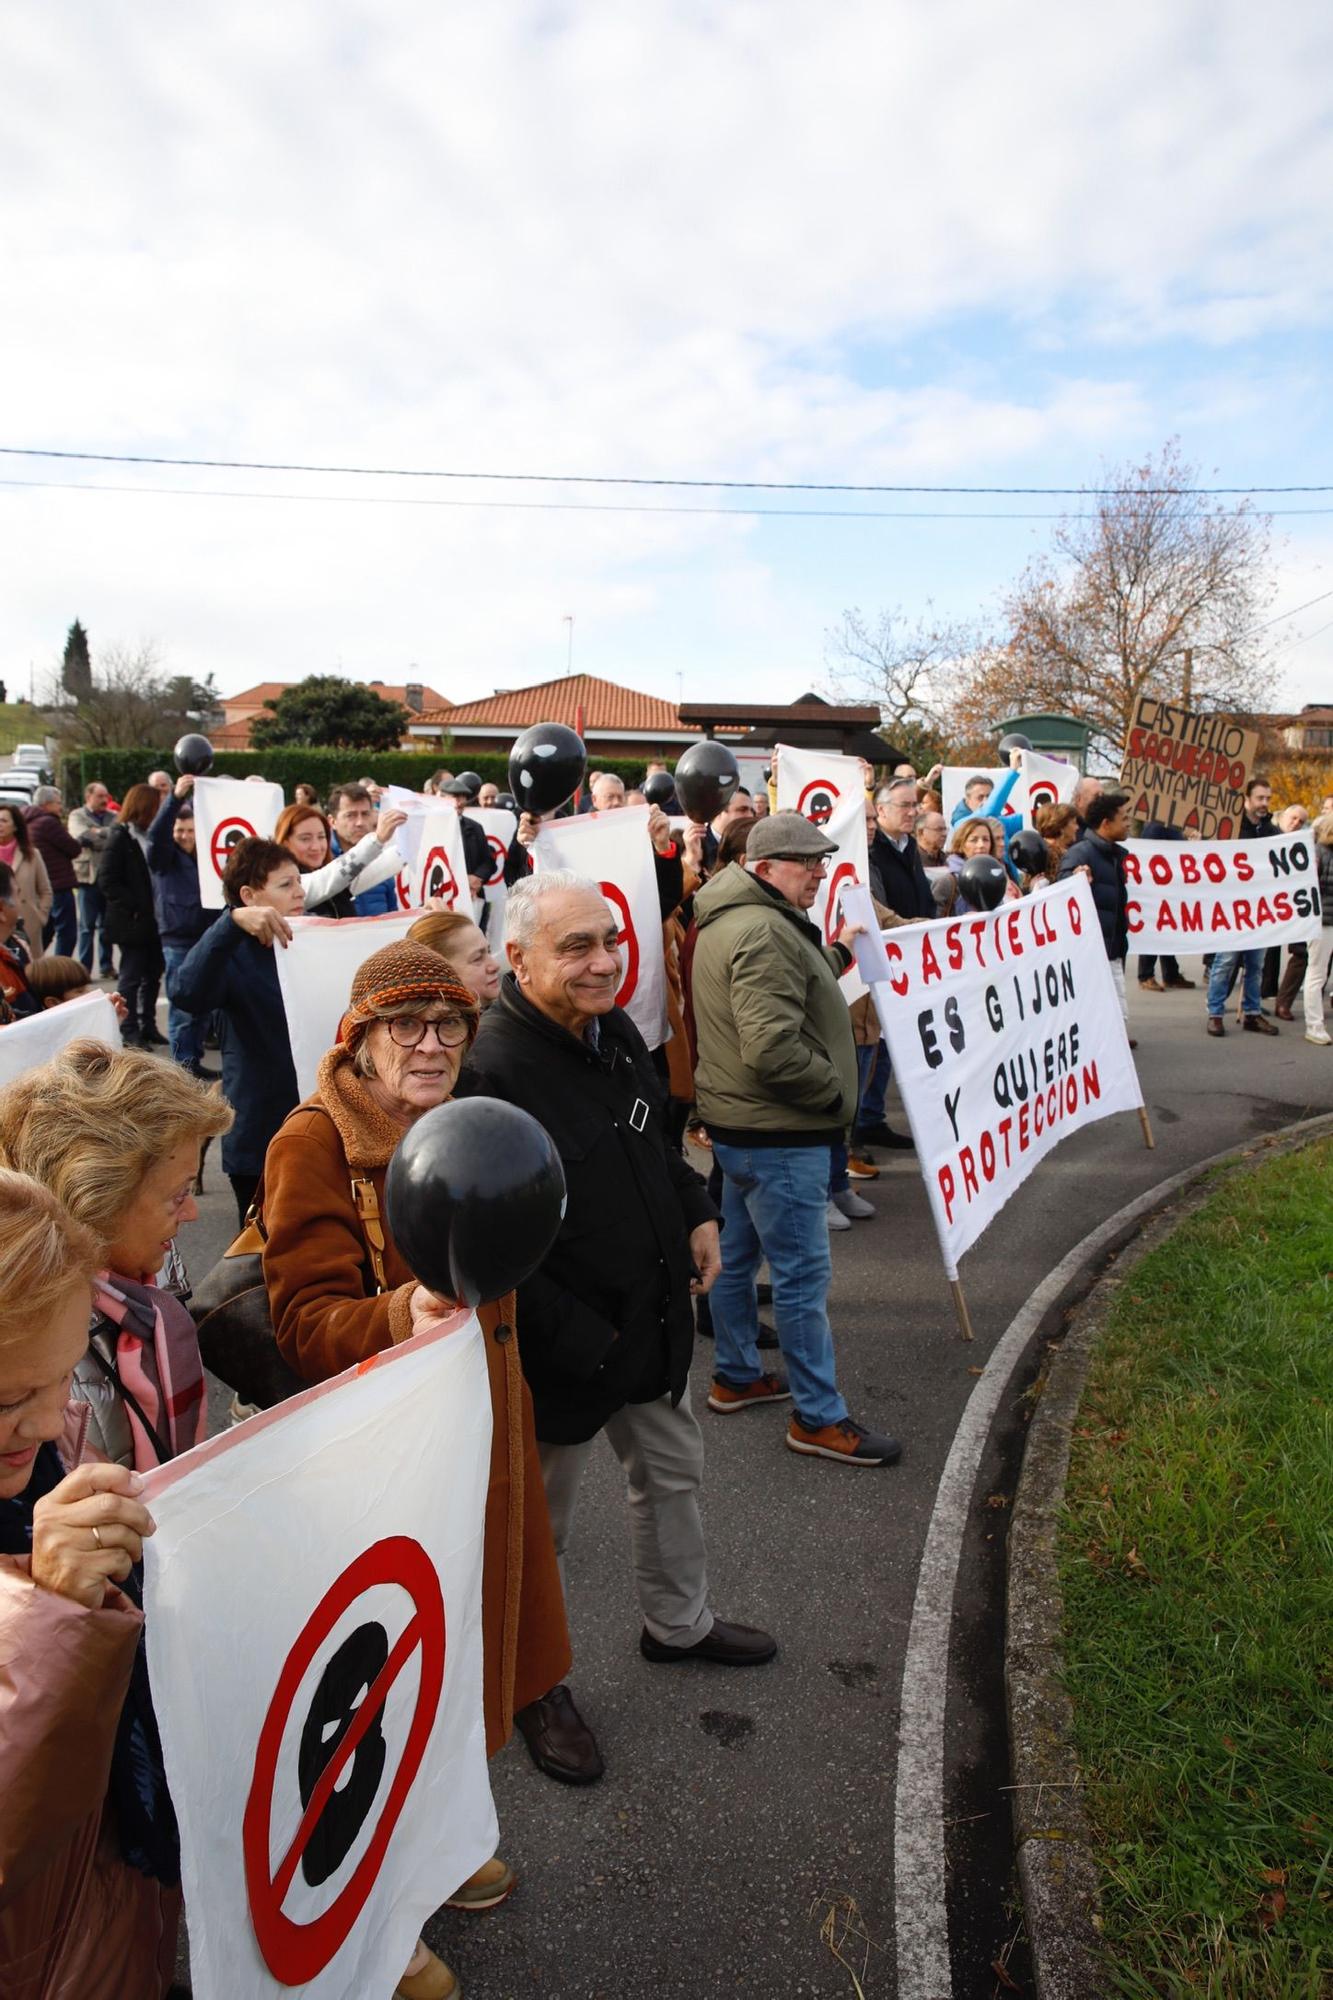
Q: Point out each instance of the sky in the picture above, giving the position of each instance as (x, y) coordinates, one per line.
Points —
(758, 240)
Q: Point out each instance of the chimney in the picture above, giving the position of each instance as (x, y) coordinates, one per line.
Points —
(414, 696)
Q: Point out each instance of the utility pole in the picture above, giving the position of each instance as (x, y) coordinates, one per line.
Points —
(568, 619)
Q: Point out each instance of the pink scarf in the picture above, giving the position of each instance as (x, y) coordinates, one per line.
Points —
(8, 852)
(157, 1361)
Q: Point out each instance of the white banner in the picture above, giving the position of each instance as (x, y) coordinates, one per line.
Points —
(315, 973)
(499, 828)
(227, 810)
(829, 790)
(1006, 1035)
(25, 1044)
(431, 844)
(1221, 895)
(332, 1791)
(614, 849)
(1041, 781)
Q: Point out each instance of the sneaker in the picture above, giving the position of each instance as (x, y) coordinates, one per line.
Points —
(836, 1218)
(860, 1167)
(882, 1135)
(490, 1885)
(848, 1442)
(725, 1398)
(853, 1204)
(1319, 1036)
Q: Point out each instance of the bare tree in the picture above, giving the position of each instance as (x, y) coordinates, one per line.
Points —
(132, 702)
(1152, 589)
(905, 667)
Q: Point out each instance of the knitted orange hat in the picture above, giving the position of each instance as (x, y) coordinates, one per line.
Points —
(398, 973)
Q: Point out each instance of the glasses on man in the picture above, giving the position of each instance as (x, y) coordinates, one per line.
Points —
(812, 866)
(409, 1030)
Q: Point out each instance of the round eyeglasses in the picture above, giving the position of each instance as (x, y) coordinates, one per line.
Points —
(409, 1030)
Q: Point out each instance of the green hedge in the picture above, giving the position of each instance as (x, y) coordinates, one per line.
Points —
(119, 769)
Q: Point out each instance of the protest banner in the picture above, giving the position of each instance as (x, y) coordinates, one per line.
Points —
(615, 850)
(431, 844)
(1187, 770)
(499, 828)
(829, 790)
(228, 810)
(26, 1043)
(315, 974)
(1221, 895)
(1041, 781)
(332, 1793)
(1006, 1035)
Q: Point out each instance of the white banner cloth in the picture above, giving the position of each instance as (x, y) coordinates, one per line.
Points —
(829, 790)
(27, 1043)
(499, 828)
(431, 844)
(1221, 895)
(315, 974)
(1006, 1035)
(329, 1547)
(1041, 781)
(614, 849)
(227, 810)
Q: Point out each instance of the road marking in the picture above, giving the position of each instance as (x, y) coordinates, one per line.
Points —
(921, 1915)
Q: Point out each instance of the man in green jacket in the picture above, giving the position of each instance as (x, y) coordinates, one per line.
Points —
(775, 1085)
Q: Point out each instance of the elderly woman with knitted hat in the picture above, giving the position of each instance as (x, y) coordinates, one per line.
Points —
(339, 1290)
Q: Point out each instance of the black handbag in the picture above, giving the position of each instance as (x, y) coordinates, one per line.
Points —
(231, 1311)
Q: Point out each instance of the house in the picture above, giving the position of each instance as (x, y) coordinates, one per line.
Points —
(240, 710)
(1311, 730)
(614, 721)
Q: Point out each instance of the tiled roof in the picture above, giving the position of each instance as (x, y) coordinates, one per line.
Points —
(266, 691)
(605, 706)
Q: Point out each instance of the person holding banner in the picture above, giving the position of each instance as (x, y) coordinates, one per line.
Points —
(897, 877)
(353, 813)
(181, 916)
(327, 884)
(776, 1085)
(126, 888)
(1172, 979)
(1256, 823)
(1318, 948)
(1101, 858)
(80, 1912)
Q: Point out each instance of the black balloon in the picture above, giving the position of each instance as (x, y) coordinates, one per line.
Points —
(1014, 741)
(194, 755)
(506, 802)
(983, 882)
(1028, 849)
(472, 779)
(706, 777)
(474, 1196)
(546, 767)
(659, 790)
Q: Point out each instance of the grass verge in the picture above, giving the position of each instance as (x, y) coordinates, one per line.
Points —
(1196, 1560)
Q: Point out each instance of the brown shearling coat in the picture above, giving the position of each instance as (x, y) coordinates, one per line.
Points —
(317, 1273)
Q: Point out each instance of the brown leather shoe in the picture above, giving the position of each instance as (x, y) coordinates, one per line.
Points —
(1151, 986)
(559, 1741)
(1283, 1013)
(1257, 1024)
(725, 1645)
(1216, 1025)
(1179, 985)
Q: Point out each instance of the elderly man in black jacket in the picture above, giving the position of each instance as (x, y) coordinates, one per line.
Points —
(1101, 858)
(897, 877)
(606, 1325)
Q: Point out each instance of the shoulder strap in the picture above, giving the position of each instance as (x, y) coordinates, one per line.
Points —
(368, 1209)
(127, 1395)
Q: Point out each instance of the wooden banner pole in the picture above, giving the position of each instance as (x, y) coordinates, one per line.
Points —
(1148, 1139)
(960, 1307)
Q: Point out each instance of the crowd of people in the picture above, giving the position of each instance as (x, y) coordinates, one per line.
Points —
(774, 1081)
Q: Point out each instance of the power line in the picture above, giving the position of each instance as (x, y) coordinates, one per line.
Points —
(571, 506)
(624, 479)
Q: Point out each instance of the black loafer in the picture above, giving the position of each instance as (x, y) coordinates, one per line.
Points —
(726, 1646)
(559, 1741)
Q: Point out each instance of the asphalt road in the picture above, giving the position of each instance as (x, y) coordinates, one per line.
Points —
(739, 1809)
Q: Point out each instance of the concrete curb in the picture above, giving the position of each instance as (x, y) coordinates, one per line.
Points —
(1057, 1869)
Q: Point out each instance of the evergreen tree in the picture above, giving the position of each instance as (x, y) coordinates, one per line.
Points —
(76, 672)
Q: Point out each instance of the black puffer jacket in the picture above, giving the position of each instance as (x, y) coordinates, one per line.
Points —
(1106, 859)
(608, 1319)
(898, 879)
(127, 890)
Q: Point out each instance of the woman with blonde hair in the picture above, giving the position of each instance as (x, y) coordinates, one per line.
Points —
(89, 1867)
(115, 1135)
(979, 835)
(463, 946)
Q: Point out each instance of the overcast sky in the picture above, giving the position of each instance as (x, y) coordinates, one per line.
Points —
(955, 243)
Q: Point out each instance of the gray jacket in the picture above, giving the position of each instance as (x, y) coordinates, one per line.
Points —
(92, 831)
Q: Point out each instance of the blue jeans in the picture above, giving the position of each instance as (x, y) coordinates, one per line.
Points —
(92, 917)
(62, 923)
(185, 1031)
(872, 1089)
(1220, 976)
(775, 1205)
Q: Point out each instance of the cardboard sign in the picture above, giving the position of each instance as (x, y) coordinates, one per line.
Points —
(227, 811)
(1006, 1035)
(613, 849)
(1187, 770)
(315, 974)
(332, 1793)
(27, 1043)
(829, 790)
(1227, 895)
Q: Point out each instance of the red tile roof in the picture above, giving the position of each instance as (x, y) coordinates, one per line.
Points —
(605, 707)
(266, 691)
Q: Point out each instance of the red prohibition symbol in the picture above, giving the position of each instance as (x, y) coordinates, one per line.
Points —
(1041, 792)
(499, 854)
(296, 1952)
(437, 878)
(842, 876)
(226, 834)
(817, 800)
(629, 939)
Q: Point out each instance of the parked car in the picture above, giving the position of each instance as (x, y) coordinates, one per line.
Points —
(22, 781)
(33, 757)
